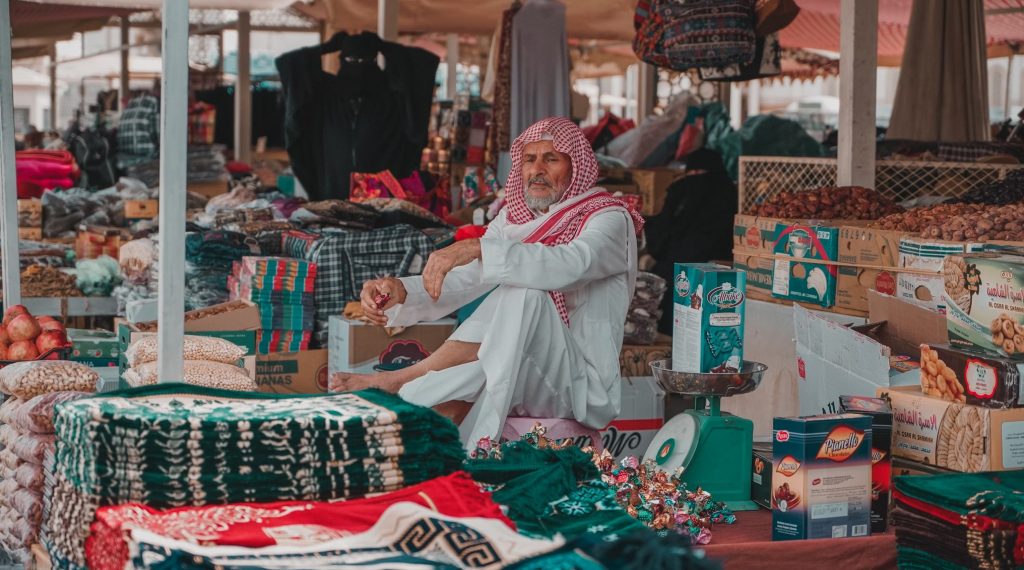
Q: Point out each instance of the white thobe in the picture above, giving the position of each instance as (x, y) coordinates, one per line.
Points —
(530, 364)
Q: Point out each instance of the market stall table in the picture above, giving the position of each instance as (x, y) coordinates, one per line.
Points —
(748, 545)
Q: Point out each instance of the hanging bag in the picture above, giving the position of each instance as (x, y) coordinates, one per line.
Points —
(767, 63)
(687, 34)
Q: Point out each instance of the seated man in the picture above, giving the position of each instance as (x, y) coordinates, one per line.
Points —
(560, 264)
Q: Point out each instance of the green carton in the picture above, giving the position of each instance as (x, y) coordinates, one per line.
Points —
(94, 347)
(802, 272)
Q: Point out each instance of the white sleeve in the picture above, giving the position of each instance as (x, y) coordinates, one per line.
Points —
(601, 250)
(461, 286)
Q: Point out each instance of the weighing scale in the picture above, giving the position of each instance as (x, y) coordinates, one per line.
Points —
(713, 448)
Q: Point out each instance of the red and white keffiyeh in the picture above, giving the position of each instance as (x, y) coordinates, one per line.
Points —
(566, 224)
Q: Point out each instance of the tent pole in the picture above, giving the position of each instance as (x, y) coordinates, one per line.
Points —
(453, 65)
(53, 87)
(646, 93)
(753, 98)
(173, 125)
(1009, 75)
(10, 262)
(387, 20)
(858, 68)
(243, 92)
(125, 89)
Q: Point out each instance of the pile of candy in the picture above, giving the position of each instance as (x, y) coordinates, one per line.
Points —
(655, 497)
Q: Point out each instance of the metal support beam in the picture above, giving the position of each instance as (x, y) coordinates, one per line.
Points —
(453, 65)
(735, 104)
(753, 98)
(646, 93)
(9, 262)
(858, 68)
(1009, 76)
(173, 170)
(387, 19)
(243, 92)
(126, 78)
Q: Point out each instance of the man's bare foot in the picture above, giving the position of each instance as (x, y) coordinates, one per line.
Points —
(348, 382)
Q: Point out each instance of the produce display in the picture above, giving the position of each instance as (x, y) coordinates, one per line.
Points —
(839, 203)
(938, 379)
(24, 337)
(42, 281)
(960, 222)
(1009, 190)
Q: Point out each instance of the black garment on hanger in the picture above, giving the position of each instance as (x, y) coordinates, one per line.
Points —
(364, 119)
(696, 224)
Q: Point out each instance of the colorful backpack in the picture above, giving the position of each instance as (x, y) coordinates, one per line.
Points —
(687, 34)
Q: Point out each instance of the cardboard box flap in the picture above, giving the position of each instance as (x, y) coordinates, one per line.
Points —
(839, 345)
(912, 323)
(237, 315)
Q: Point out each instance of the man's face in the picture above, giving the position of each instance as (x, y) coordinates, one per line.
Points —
(546, 174)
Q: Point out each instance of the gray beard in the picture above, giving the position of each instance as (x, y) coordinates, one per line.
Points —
(540, 204)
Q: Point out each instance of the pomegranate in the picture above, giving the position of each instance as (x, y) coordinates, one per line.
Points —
(4, 339)
(49, 340)
(3, 352)
(50, 325)
(23, 350)
(23, 327)
(12, 312)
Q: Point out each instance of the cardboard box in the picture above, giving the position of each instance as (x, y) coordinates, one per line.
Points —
(761, 475)
(708, 304)
(974, 378)
(821, 485)
(983, 293)
(875, 253)
(925, 284)
(141, 209)
(96, 348)
(753, 242)
(881, 454)
(642, 415)
(954, 436)
(30, 213)
(906, 468)
(636, 359)
(94, 241)
(835, 360)
(652, 184)
(360, 347)
(799, 274)
(237, 315)
(303, 372)
(30, 234)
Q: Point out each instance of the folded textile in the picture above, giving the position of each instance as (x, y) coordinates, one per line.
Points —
(292, 523)
(405, 530)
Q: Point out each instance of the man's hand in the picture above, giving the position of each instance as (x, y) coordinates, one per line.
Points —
(443, 261)
(380, 295)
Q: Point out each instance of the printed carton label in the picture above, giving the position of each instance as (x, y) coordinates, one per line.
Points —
(982, 379)
(915, 425)
(788, 466)
(842, 442)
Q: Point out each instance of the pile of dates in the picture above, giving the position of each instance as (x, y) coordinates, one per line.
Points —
(839, 203)
(960, 222)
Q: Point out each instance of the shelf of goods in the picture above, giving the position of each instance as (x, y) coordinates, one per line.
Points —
(761, 177)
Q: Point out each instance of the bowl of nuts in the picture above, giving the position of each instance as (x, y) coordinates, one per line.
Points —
(708, 384)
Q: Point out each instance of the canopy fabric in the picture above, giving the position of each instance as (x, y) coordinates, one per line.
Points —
(942, 94)
(57, 21)
(157, 4)
(817, 26)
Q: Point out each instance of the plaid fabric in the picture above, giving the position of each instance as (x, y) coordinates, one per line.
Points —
(347, 260)
(971, 152)
(139, 130)
(202, 119)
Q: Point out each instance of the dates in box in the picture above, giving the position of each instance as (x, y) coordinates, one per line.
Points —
(821, 484)
(971, 377)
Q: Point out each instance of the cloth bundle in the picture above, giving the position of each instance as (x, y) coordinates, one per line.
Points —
(292, 523)
(173, 445)
(960, 520)
(25, 434)
(336, 213)
(211, 255)
(283, 290)
(42, 170)
(347, 260)
(645, 309)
